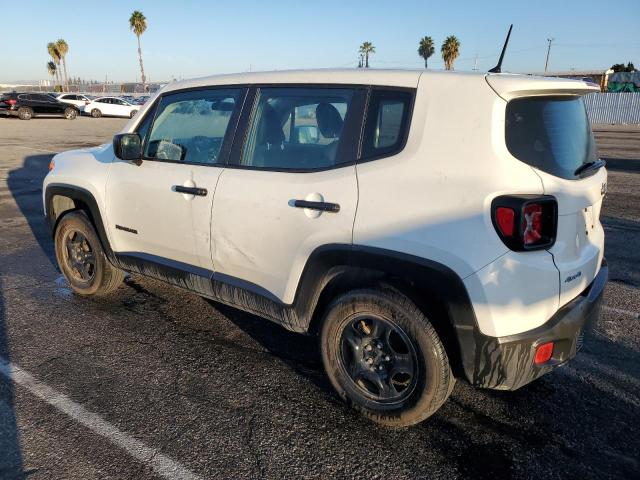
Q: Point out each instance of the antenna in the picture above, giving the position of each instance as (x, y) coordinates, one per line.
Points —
(498, 67)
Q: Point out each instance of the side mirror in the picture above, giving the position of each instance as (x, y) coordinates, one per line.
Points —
(128, 146)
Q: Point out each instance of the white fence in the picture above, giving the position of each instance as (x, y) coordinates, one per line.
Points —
(613, 108)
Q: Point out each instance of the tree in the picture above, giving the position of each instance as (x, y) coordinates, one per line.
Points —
(138, 24)
(52, 49)
(619, 67)
(426, 49)
(52, 69)
(450, 51)
(366, 49)
(63, 49)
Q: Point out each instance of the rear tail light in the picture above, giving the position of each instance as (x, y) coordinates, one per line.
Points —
(525, 222)
(544, 353)
(12, 102)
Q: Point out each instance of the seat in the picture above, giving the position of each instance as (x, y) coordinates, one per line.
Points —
(269, 140)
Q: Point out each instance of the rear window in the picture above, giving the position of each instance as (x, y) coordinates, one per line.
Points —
(552, 134)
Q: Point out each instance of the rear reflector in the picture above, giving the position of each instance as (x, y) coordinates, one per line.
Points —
(504, 218)
(543, 353)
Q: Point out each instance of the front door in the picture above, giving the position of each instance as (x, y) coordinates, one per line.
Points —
(292, 188)
(160, 211)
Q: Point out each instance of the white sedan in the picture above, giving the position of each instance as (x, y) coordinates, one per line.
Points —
(76, 99)
(111, 106)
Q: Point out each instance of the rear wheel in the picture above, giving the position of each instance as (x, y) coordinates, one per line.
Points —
(95, 113)
(70, 113)
(384, 357)
(25, 113)
(81, 257)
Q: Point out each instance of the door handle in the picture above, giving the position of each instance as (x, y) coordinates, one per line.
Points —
(321, 206)
(201, 192)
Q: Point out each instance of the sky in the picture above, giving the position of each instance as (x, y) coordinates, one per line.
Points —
(186, 39)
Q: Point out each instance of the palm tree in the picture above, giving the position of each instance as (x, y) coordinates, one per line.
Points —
(450, 51)
(52, 49)
(366, 49)
(63, 49)
(51, 68)
(426, 49)
(138, 24)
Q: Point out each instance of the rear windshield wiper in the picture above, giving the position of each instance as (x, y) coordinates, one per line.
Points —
(590, 166)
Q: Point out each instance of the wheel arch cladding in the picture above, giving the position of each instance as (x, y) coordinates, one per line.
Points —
(61, 198)
(435, 289)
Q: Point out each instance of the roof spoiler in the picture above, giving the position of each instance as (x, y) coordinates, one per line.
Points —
(509, 86)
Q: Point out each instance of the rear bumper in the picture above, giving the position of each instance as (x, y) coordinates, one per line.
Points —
(507, 363)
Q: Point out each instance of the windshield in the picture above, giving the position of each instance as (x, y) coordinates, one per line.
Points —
(552, 134)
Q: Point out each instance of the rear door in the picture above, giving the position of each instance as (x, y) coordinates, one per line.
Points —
(37, 103)
(553, 135)
(291, 187)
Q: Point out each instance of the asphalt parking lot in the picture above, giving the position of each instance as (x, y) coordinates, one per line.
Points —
(152, 381)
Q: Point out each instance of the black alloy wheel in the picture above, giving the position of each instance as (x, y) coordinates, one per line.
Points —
(79, 256)
(379, 358)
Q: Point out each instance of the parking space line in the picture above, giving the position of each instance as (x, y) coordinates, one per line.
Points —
(161, 464)
(621, 311)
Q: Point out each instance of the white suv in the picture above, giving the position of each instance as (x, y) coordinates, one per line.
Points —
(427, 225)
(77, 99)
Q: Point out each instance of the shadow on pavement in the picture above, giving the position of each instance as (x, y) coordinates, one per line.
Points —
(25, 185)
(10, 453)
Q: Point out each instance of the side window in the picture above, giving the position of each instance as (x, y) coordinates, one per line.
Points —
(190, 127)
(102, 100)
(387, 122)
(297, 128)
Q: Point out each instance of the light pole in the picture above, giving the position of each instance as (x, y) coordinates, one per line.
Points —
(546, 63)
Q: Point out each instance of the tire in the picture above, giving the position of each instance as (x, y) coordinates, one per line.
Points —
(95, 113)
(76, 243)
(396, 346)
(133, 113)
(70, 113)
(25, 113)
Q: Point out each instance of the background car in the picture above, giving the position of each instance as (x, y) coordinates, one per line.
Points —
(111, 106)
(28, 105)
(77, 99)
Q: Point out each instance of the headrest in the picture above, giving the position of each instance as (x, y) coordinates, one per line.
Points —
(330, 122)
(270, 131)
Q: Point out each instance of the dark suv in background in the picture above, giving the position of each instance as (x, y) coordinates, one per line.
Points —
(28, 105)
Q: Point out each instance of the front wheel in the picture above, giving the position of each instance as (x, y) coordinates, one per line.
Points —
(384, 358)
(95, 113)
(70, 113)
(81, 257)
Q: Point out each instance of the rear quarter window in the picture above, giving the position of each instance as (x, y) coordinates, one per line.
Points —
(552, 134)
(387, 123)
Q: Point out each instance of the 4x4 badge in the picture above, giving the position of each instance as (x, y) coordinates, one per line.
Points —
(571, 278)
